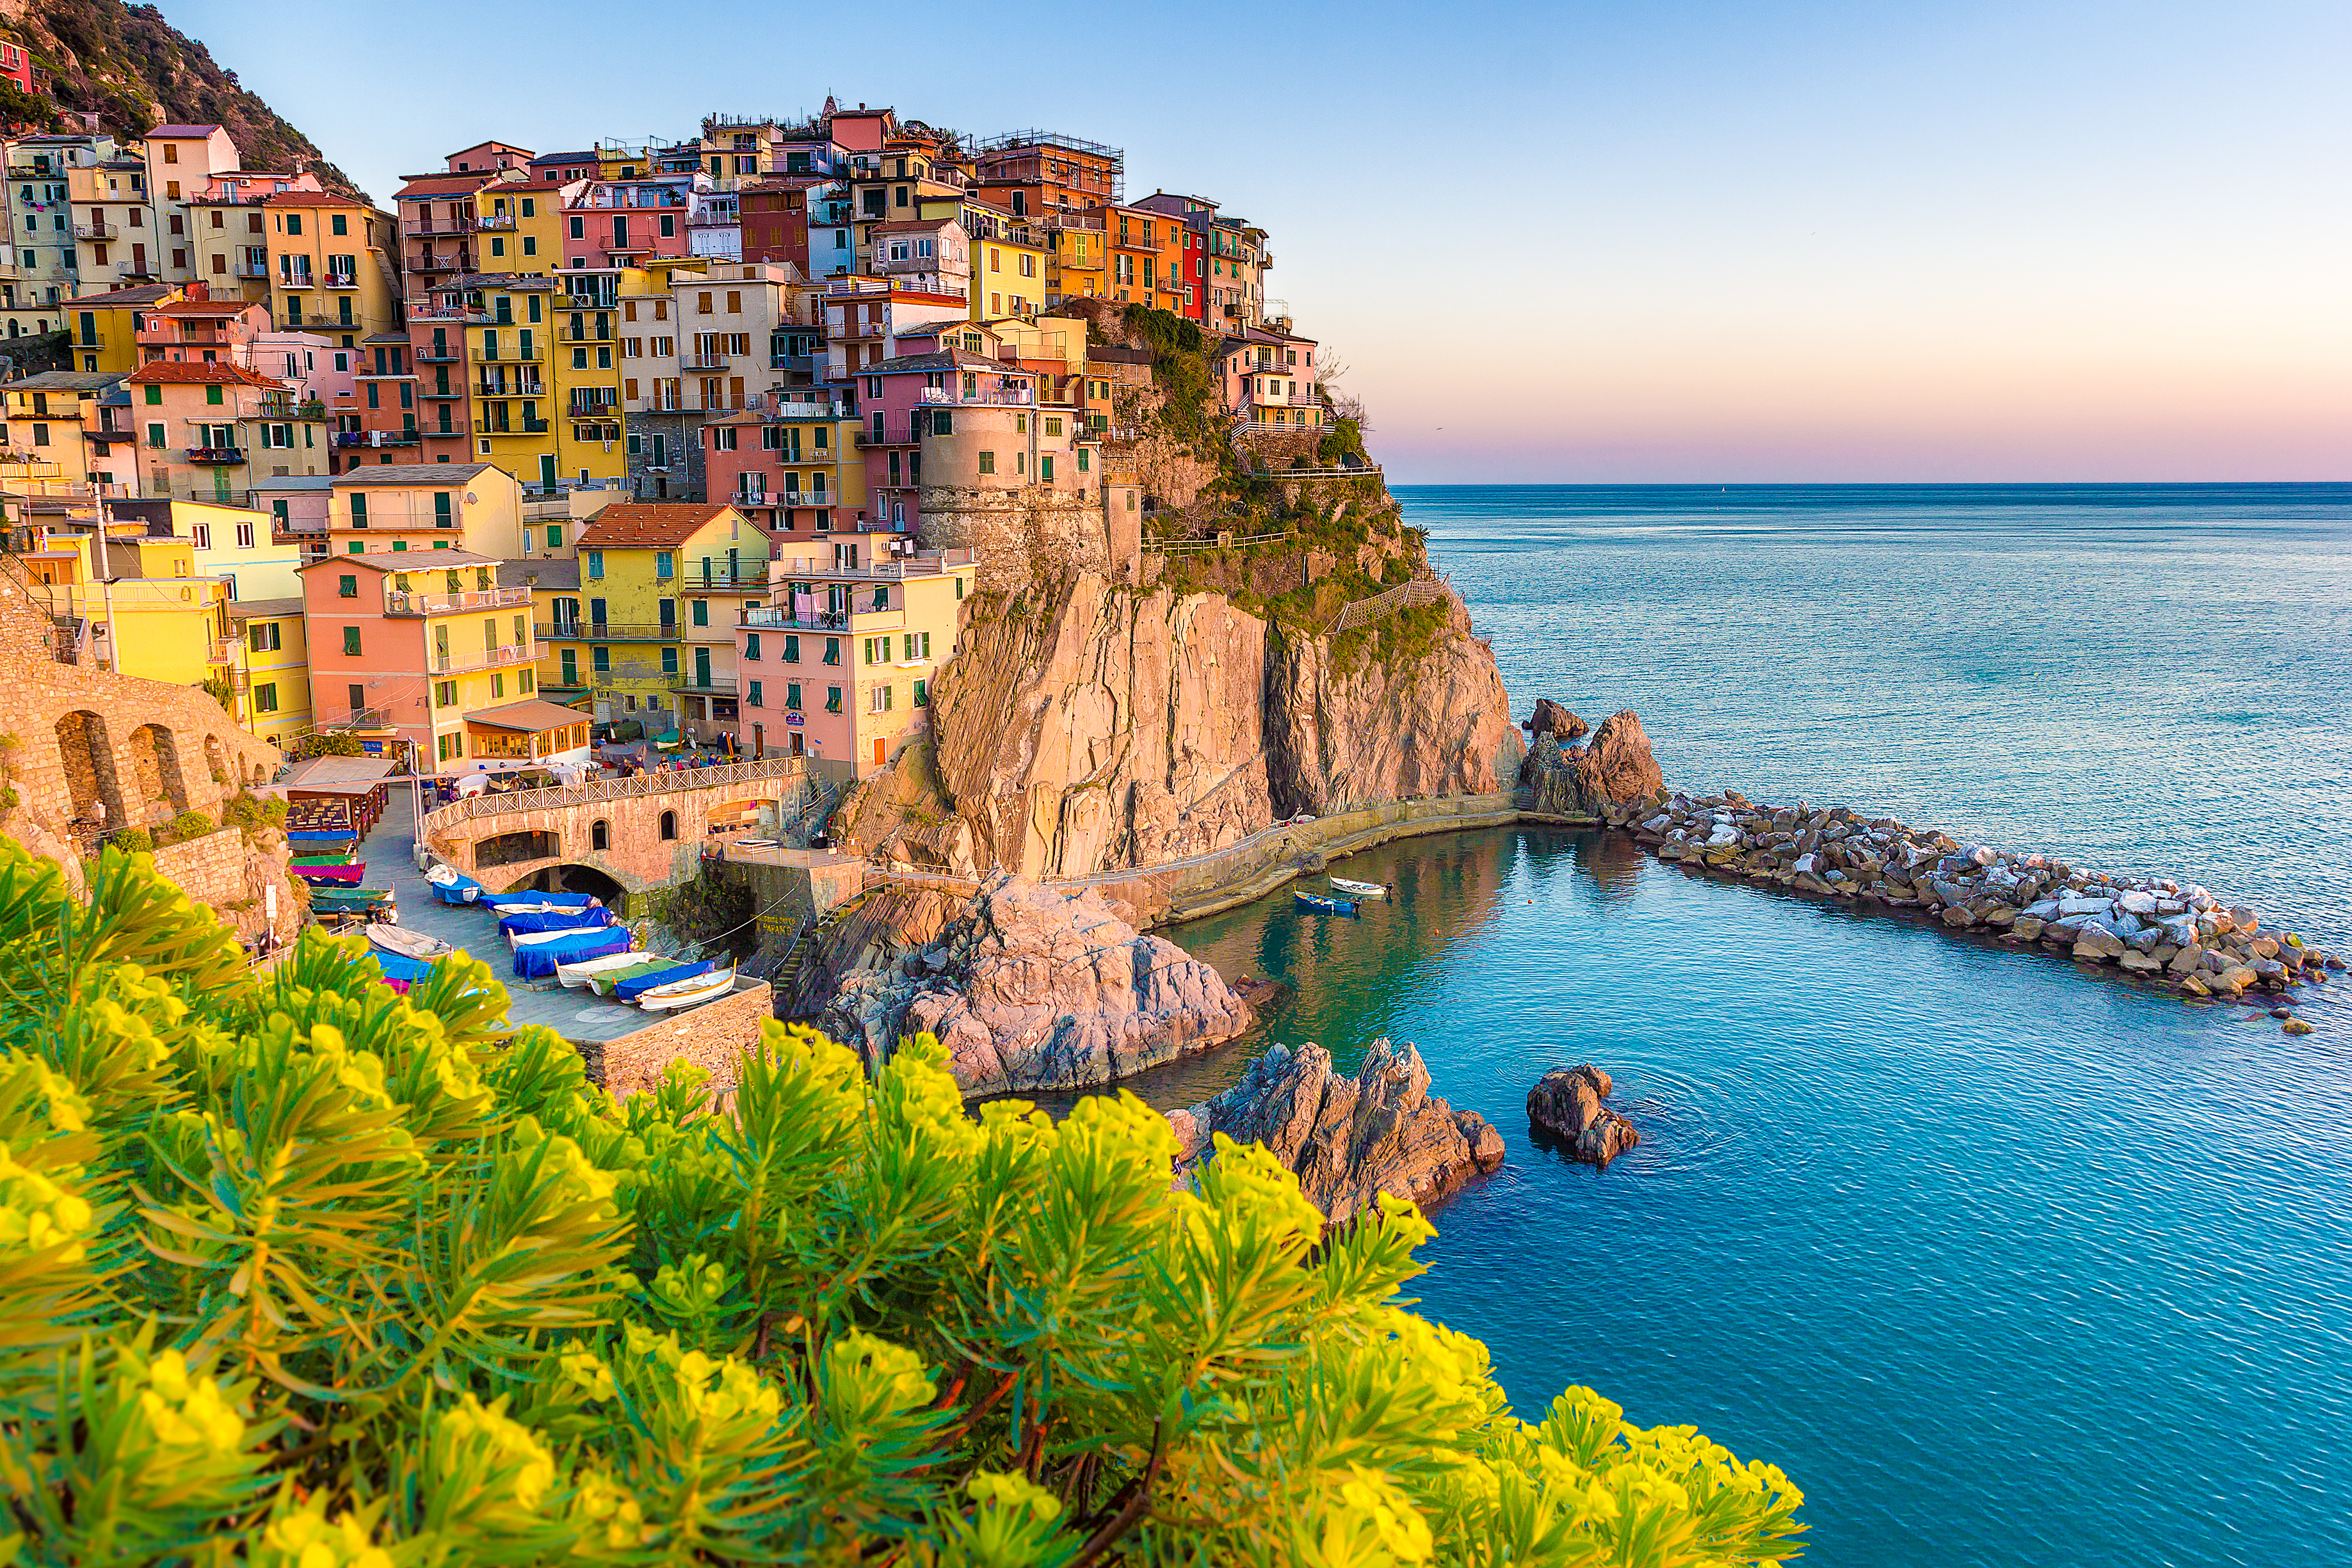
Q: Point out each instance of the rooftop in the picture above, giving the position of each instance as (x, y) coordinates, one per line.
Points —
(68, 381)
(184, 130)
(649, 525)
(533, 715)
(945, 359)
(546, 571)
(145, 294)
(264, 609)
(189, 374)
(408, 474)
(405, 561)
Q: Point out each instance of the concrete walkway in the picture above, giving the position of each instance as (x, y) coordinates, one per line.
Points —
(575, 1015)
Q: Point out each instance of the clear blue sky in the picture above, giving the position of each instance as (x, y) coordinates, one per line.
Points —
(1588, 242)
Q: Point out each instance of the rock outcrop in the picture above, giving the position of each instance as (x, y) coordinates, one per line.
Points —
(1085, 727)
(1612, 768)
(1348, 1139)
(1550, 719)
(1565, 1105)
(1032, 988)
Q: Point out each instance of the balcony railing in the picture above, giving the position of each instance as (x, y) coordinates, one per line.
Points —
(631, 632)
(253, 270)
(340, 280)
(398, 603)
(379, 437)
(1021, 397)
(437, 354)
(489, 659)
(588, 302)
(509, 389)
(495, 221)
(220, 456)
(95, 231)
(783, 617)
(437, 225)
(704, 362)
(585, 335)
(894, 569)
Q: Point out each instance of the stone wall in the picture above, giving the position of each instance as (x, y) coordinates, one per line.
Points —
(714, 1035)
(235, 873)
(1019, 535)
(146, 750)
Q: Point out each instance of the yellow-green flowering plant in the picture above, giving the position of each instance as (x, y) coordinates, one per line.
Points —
(295, 1270)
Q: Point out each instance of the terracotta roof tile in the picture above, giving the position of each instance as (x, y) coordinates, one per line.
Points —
(649, 525)
(191, 374)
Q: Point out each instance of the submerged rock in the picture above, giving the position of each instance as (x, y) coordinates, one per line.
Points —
(1348, 1139)
(1566, 1104)
(1030, 988)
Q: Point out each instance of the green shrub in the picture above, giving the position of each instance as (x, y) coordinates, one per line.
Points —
(188, 825)
(134, 840)
(293, 1269)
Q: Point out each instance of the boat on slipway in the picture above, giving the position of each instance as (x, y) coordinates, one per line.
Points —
(407, 943)
(679, 995)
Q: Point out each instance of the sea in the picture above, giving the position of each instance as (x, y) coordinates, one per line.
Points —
(2004, 1263)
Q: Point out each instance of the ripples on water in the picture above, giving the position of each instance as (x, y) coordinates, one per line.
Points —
(2005, 1265)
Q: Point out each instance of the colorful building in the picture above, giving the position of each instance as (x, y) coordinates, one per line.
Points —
(412, 645)
(206, 431)
(1043, 172)
(1268, 376)
(68, 433)
(106, 326)
(473, 508)
(269, 667)
(794, 466)
(332, 265)
(662, 586)
(841, 663)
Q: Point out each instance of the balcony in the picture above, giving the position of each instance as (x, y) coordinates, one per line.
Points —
(351, 438)
(1018, 397)
(216, 457)
(97, 231)
(252, 271)
(509, 389)
(725, 582)
(585, 335)
(438, 225)
(623, 632)
(894, 569)
(704, 362)
(576, 301)
(532, 427)
(397, 603)
(436, 355)
(495, 221)
(489, 659)
(341, 280)
(784, 618)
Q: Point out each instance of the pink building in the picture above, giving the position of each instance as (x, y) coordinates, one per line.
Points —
(916, 397)
(625, 223)
(1268, 374)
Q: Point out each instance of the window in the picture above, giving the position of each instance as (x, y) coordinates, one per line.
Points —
(154, 395)
(154, 435)
(1046, 466)
(750, 644)
(555, 536)
(262, 636)
(988, 462)
(662, 563)
(445, 694)
(791, 648)
(833, 650)
(877, 700)
(595, 563)
(600, 834)
(753, 696)
(1052, 424)
(1082, 459)
(669, 824)
(919, 644)
(700, 612)
(833, 699)
(265, 698)
(922, 694)
(347, 588)
(350, 642)
(212, 395)
(793, 695)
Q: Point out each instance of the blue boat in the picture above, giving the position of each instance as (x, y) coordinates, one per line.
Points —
(1322, 905)
(630, 990)
(585, 920)
(526, 899)
(541, 959)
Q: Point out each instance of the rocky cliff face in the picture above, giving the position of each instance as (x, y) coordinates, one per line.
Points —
(1085, 727)
(1032, 988)
(1348, 1139)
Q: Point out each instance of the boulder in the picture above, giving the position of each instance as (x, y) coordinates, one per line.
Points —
(1348, 1139)
(1614, 769)
(2096, 941)
(1030, 988)
(1566, 1104)
(1550, 719)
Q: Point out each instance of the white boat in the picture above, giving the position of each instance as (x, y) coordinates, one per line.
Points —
(1357, 889)
(575, 977)
(445, 875)
(407, 943)
(532, 938)
(679, 994)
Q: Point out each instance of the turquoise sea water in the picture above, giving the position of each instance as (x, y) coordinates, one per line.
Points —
(2004, 1265)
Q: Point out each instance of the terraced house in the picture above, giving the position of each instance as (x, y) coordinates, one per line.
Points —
(650, 634)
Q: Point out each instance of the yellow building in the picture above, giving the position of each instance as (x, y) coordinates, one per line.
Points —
(63, 432)
(661, 589)
(1008, 257)
(159, 619)
(1077, 257)
(106, 326)
(331, 267)
(269, 669)
(392, 508)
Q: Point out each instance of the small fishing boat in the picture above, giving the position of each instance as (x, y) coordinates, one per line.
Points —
(1322, 905)
(1358, 889)
(556, 920)
(349, 874)
(543, 960)
(530, 901)
(605, 982)
(578, 976)
(687, 993)
(407, 943)
(453, 886)
(334, 898)
(345, 858)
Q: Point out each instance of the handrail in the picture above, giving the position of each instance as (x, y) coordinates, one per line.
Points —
(1411, 594)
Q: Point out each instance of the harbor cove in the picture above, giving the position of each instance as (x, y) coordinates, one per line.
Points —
(825, 838)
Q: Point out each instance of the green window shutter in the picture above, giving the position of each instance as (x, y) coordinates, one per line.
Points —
(154, 396)
(212, 395)
(351, 641)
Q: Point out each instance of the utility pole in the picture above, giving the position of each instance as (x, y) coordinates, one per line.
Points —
(106, 578)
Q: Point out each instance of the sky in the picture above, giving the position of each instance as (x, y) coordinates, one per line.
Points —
(1651, 242)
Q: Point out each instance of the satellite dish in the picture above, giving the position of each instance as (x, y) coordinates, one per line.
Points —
(471, 499)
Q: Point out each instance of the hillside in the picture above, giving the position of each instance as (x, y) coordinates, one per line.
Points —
(135, 71)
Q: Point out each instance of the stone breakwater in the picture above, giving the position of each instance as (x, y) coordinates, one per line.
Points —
(2169, 933)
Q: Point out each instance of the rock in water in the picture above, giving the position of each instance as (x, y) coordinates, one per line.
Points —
(1550, 719)
(1613, 769)
(1031, 988)
(1566, 1104)
(1347, 1138)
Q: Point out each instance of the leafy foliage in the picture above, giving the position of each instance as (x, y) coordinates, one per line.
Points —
(297, 1270)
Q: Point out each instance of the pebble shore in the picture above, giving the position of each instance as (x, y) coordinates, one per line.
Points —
(2171, 934)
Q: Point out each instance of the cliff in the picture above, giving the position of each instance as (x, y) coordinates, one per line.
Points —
(1085, 727)
(134, 70)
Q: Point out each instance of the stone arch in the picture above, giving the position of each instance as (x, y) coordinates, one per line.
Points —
(669, 824)
(217, 761)
(156, 770)
(515, 848)
(88, 762)
(600, 835)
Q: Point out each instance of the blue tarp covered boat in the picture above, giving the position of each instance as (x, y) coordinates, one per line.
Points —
(397, 967)
(526, 899)
(630, 990)
(541, 959)
(584, 920)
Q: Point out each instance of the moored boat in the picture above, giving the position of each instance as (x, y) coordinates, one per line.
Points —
(343, 874)
(579, 977)
(1358, 889)
(687, 993)
(1323, 905)
(607, 982)
(408, 944)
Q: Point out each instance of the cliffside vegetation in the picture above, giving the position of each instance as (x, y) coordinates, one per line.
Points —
(134, 70)
(297, 1270)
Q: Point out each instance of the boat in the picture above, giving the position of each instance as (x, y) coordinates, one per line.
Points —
(408, 944)
(555, 920)
(579, 977)
(1358, 889)
(342, 873)
(334, 838)
(333, 897)
(533, 901)
(629, 991)
(687, 993)
(1322, 905)
(453, 886)
(560, 933)
(345, 858)
(604, 982)
(543, 960)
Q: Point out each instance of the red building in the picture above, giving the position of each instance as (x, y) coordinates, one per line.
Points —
(16, 61)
